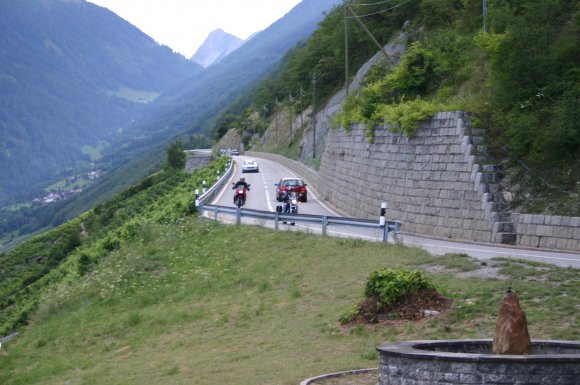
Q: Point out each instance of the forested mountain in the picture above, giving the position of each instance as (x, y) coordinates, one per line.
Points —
(191, 105)
(188, 110)
(72, 74)
(88, 51)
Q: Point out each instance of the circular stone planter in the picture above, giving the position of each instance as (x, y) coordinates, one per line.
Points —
(450, 362)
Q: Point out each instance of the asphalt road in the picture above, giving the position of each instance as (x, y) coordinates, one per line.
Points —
(262, 197)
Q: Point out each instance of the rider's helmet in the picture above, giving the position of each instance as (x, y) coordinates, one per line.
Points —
(242, 179)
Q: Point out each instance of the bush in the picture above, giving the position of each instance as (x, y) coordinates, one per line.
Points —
(389, 285)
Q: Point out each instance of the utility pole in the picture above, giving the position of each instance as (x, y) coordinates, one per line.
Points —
(291, 99)
(345, 48)
(485, 31)
(485, 16)
(302, 94)
(276, 101)
(364, 27)
(313, 115)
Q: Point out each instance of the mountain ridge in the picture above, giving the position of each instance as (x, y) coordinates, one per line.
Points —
(184, 112)
(216, 47)
(71, 75)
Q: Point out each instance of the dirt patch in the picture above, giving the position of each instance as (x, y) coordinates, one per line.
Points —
(410, 307)
(486, 272)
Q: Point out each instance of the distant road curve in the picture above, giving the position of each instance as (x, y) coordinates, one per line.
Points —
(271, 170)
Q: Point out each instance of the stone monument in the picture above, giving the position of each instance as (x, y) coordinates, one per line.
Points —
(511, 327)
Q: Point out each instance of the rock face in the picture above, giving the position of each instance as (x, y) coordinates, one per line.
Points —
(217, 46)
(511, 328)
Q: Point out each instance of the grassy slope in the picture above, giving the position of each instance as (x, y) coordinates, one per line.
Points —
(196, 302)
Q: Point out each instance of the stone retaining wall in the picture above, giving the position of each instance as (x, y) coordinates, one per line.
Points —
(197, 159)
(550, 232)
(432, 182)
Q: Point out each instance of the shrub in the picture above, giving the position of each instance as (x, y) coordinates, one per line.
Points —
(388, 285)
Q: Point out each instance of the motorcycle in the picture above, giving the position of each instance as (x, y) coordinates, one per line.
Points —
(240, 195)
(290, 205)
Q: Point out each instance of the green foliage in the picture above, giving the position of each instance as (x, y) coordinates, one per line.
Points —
(391, 284)
(534, 75)
(406, 116)
(521, 78)
(433, 68)
(35, 266)
(176, 158)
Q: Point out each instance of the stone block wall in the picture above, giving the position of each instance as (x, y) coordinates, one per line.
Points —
(197, 159)
(432, 182)
(549, 232)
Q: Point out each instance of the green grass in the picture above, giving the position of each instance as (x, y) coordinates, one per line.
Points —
(95, 153)
(197, 302)
(135, 96)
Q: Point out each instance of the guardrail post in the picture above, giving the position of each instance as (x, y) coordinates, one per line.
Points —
(386, 233)
(215, 215)
(276, 220)
(324, 221)
(239, 216)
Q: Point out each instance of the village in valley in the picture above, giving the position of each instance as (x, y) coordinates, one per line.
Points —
(67, 188)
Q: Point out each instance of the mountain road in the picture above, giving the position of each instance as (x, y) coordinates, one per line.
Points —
(262, 197)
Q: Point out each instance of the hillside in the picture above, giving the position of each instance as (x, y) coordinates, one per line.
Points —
(72, 76)
(142, 290)
(519, 80)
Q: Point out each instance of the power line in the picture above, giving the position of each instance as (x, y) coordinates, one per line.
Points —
(364, 27)
(377, 3)
(383, 11)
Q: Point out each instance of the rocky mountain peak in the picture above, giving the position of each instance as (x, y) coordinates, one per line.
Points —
(217, 46)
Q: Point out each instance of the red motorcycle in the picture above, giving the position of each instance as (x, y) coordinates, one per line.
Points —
(240, 195)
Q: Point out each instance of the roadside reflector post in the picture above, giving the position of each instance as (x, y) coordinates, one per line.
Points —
(383, 212)
(196, 197)
(382, 222)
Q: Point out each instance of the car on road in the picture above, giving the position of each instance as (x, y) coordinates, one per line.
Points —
(288, 185)
(250, 166)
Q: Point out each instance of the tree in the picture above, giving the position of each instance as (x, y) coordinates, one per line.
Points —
(175, 156)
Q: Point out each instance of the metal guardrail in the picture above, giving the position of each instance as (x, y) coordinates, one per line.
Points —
(323, 220)
(213, 190)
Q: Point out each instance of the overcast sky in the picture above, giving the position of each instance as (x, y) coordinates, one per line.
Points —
(183, 25)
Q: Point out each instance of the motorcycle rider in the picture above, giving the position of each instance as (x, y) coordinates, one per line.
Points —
(241, 183)
(285, 199)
